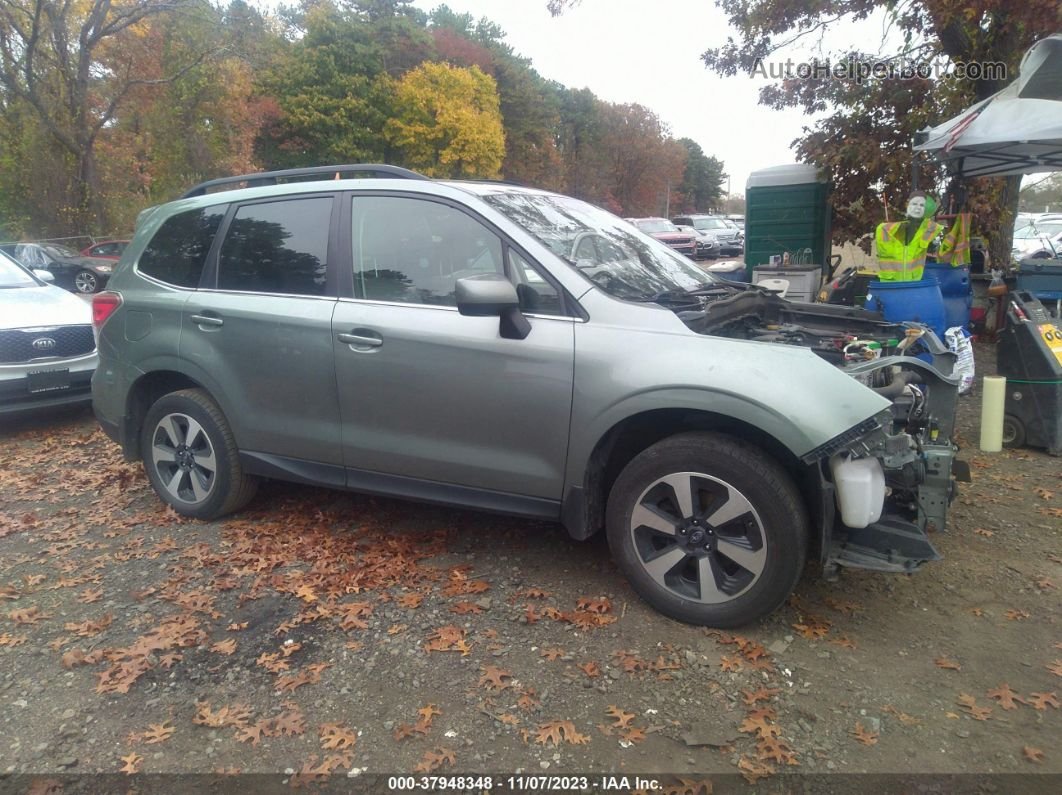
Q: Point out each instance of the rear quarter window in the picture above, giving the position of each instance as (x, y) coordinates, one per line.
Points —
(177, 253)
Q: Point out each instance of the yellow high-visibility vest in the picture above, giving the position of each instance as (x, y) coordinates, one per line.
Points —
(899, 261)
(955, 248)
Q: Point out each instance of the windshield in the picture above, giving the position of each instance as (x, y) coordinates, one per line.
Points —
(14, 275)
(654, 225)
(708, 223)
(1036, 231)
(618, 258)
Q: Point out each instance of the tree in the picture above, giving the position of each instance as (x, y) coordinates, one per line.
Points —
(447, 122)
(645, 163)
(884, 112)
(702, 181)
(67, 64)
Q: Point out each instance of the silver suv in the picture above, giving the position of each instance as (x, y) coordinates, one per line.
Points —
(508, 349)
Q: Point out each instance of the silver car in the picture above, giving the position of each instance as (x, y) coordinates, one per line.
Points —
(47, 348)
(513, 350)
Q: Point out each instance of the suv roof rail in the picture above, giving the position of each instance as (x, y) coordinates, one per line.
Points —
(276, 177)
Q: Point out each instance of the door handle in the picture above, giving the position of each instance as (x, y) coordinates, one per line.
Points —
(207, 320)
(358, 339)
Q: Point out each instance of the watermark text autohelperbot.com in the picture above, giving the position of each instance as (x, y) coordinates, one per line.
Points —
(859, 70)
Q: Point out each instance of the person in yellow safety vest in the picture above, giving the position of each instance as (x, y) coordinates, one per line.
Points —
(902, 245)
(955, 248)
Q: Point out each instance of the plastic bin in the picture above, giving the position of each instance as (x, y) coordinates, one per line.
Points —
(804, 280)
(901, 302)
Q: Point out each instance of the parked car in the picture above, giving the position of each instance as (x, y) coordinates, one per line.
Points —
(668, 234)
(728, 237)
(458, 343)
(47, 348)
(71, 270)
(1039, 239)
(706, 245)
(108, 249)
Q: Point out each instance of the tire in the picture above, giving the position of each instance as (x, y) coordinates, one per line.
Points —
(722, 566)
(191, 458)
(86, 282)
(1013, 431)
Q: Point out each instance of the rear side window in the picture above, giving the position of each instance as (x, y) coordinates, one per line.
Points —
(178, 251)
(278, 247)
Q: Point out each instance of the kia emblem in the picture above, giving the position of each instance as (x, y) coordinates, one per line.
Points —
(43, 344)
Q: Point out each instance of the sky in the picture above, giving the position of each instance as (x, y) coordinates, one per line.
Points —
(648, 52)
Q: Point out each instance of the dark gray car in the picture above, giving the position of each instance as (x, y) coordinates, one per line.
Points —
(439, 341)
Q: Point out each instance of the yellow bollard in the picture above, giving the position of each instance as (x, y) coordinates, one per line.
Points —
(992, 399)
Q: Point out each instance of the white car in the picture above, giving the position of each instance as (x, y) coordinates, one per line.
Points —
(1038, 239)
(47, 346)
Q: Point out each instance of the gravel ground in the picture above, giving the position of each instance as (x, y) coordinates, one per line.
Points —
(325, 633)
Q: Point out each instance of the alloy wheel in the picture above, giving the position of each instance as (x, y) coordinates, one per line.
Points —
(85, 282)
(698, 537)
(183, 457)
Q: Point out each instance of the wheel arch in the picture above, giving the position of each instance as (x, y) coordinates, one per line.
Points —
(142, 394)
(583, 509)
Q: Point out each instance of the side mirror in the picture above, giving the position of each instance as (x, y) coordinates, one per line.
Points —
(43, 275)
(492, 294)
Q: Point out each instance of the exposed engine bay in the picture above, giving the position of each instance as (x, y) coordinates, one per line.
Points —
(907, 364)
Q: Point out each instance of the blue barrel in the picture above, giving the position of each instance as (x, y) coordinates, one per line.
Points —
(955, 287)
(919, 301)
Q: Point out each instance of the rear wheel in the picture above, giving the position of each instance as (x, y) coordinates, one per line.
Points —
(708, 529)
(86, 282)
(191, 458)
(1013, 431)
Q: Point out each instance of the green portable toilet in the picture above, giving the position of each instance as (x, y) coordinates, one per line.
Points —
(787, 208)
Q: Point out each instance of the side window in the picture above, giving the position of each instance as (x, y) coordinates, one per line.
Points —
(278, 247)
(178, 250)
(414, 250)
(537, 296)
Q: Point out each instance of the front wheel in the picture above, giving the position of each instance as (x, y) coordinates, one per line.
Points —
(708, 529)
(191, 458)
(1013, 431)
(86, 282)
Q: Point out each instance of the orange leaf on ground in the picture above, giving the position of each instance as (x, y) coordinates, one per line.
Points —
(591, 669)
(554, 654)
(863, 736)
(132, 763)
(1017, 615)
(944, 662)
(763, 694)
(1041, 701)
(336, 736)
(621, 719)
(158, 733)
(225, 647)
(1006, 697)
(433, 760)
(494, 678)
(1033, 754)
(558, 731)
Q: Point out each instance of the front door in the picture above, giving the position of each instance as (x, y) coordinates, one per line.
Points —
(428, 393)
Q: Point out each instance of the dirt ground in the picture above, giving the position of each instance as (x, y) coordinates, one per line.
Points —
(320, 632)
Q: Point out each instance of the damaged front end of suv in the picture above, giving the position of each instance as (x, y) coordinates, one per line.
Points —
(886, 483)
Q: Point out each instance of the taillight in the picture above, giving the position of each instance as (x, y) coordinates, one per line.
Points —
(103, 306)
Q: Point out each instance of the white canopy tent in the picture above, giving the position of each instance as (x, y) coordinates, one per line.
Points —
(1016, 131)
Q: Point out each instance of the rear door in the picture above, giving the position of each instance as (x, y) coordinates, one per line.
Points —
(261, 327)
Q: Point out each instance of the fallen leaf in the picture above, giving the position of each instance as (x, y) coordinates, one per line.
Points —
(494, 678)
(1055, 667)
(225, 647)
(591, 669)
(555, 654)
(557, 731)
(1017, 615)
(945, 663)
(982, 532)
(1006, 697)
(433, 760)
(158, 733)
(763, 694)
(863, 736)
(632, 735)
(89, 596)
(621, 719)
(752, 771)
(730, 663)
(410, 601)
(336, 736)
(1033, 754)
(1041, 701)
(132, 763)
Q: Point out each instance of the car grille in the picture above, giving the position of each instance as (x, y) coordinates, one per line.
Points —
(16, 345)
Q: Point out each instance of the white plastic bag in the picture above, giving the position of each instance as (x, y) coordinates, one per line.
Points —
(958, 341)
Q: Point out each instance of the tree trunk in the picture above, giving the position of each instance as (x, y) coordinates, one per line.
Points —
(999, 248)
(87, 193)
